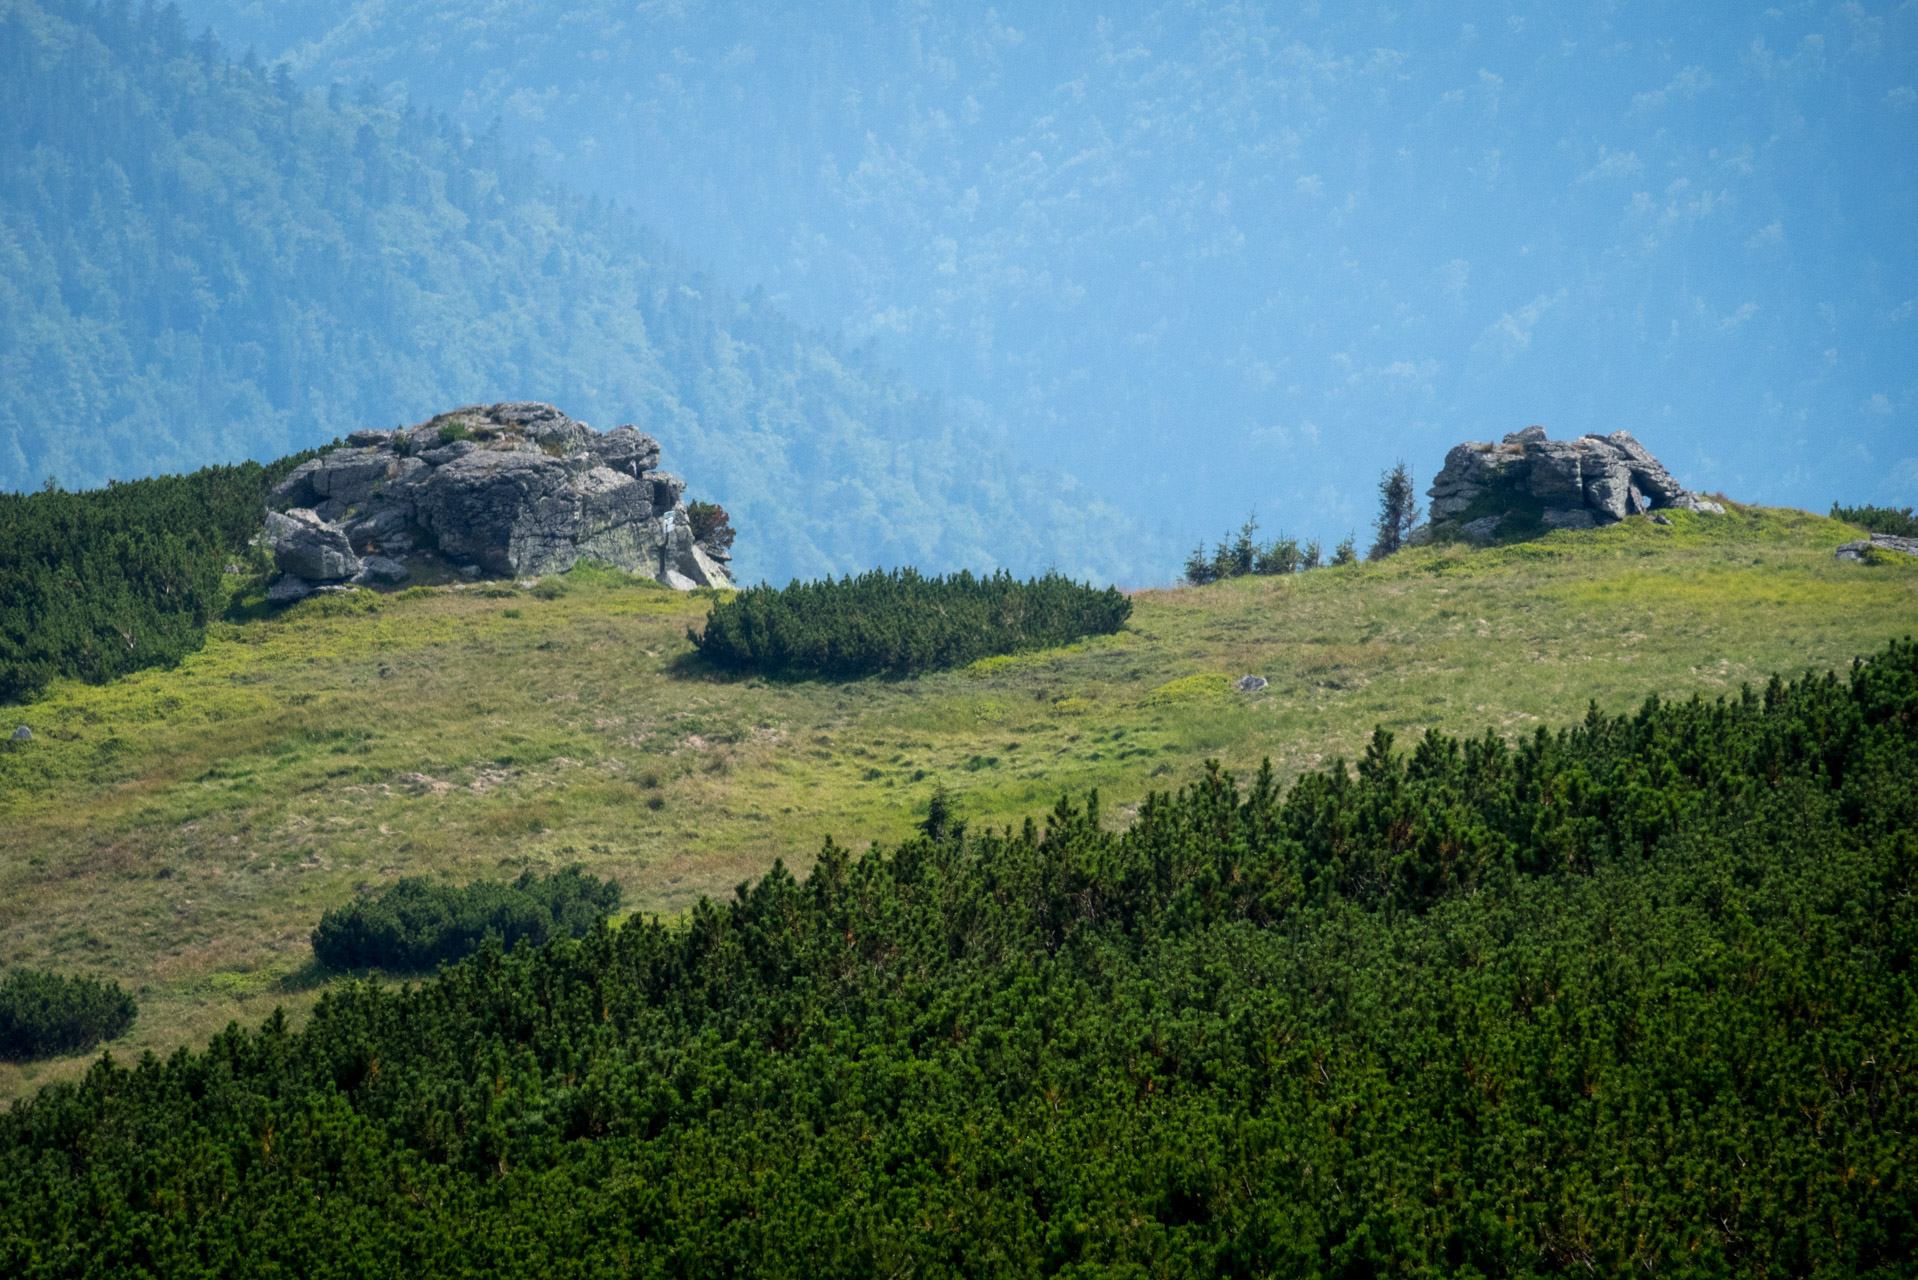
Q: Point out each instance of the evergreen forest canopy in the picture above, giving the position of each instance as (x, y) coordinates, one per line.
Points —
(1635, 995)
(201, 262)
(902, 622)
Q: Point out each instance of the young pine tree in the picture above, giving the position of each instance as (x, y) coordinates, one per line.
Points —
(1199, 569)
(1398, 512)
(1347, 552)
(1244, 551)
(942, 817)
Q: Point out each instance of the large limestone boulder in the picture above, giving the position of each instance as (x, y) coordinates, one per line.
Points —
(305, 546)
(517, 488)
(1578, 484)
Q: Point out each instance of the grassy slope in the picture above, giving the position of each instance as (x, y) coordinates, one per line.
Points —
(183, 830)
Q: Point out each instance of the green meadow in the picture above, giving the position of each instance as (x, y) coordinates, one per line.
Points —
(182, 830)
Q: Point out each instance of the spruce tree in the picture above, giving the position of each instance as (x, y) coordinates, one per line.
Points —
(1398, 511)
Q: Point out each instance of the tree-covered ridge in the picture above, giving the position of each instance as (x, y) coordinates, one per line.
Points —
(1634, 995)
(901, 622)
(202, 262)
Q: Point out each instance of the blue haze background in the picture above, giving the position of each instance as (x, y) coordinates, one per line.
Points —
(1211, 257)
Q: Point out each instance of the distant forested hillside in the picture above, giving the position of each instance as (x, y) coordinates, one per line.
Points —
(201, 262)
(1316, 236)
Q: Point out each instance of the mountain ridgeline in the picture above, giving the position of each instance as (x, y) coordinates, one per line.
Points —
(201, 262)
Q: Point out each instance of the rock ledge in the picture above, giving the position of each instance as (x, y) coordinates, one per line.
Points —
(1579, 484)
(517, 489)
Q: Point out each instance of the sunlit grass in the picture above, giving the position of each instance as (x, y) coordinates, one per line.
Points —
(182, 830)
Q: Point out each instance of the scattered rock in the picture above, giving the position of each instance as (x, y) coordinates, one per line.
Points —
(380, 569)
(1580, 484)
(1482, 529)
(288, 589)
(1659, 517)
(1249, 684)
(22, 733)
(307, 546)
(1574, 518)
(517, 488)
(1858, 552)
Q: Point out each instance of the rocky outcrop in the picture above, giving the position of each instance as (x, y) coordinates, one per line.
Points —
(305, 546)
(1861, 550)
(516, 489)
(1572, 484)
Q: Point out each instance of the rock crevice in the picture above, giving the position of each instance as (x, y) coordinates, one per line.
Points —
(515, 489)
(1570, 484)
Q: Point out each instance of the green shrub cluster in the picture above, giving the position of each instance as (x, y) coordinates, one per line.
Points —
(1897, 521)
(1235, 556)
(900, 622)
(96, 584)
(1634, 997)
(417, 924)
(46, 1014)
(711, 524)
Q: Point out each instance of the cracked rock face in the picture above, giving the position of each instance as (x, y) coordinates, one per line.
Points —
(1581, 484)
(517, 488)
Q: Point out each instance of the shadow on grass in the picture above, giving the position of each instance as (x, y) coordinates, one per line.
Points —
(308, 976)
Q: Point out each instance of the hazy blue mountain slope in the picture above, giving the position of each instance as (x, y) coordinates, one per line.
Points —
(199, 262)
(1216, 253)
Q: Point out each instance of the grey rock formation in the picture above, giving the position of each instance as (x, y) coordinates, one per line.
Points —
(516, 489)
(1482, 529)
(306, 546)
(1857, 551)
(22, 734)
(1575, 484)
(288, 589)
(380, 569)
(1249, 684)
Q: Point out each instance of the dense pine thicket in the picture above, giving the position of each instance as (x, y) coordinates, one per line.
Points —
(201, 260)
(44, 1014)
(900, 621)
(1635, 996)
(94, 585)
(417, 924)
(1898, 521)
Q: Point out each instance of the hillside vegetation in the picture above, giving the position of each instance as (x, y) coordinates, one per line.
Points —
(1632, 995)
(182, 831)
(202, 260)
(96, 584)
(901, 622)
